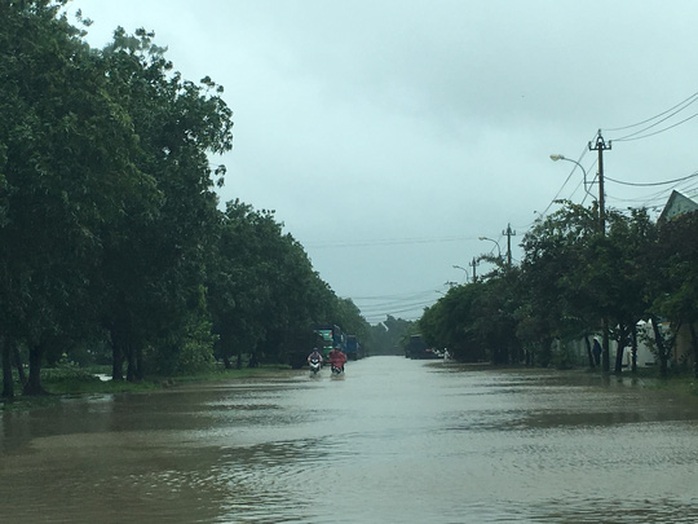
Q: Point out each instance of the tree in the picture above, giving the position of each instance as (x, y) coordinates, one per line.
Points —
(387, 337)
(453, 323)
(559, 295)
(264, 295)
(153, 266)
(576, 276)
(349, 316)
(630, 242)
(56, 178)
(678, 277)
(105, 194)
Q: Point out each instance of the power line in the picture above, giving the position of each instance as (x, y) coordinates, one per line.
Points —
(687, 102)
(631, 137)
(396, 306)
(659, 198)
(569, 176)
(417, 313)
(389, 242)
(405, 296)
(652, 184)
(378, 307)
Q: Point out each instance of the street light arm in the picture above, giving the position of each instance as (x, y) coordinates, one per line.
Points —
(467, 274)
(499, 249)
(556, 157)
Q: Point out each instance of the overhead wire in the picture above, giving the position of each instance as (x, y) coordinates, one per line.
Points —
(413, 303)
(389, 242)
(655, 201)
(379, 306)
(386, 307)
(656, 120)
(397, 311)
(659, 198)
(647, 125)
(652, 184)
(631, 137)
(401, 296)
(687, 101)
(569, 176)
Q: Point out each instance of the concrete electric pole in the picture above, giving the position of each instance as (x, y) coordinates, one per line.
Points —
(601, 146)
(508, 233)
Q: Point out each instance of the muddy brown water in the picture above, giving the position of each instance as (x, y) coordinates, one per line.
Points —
(394, 441)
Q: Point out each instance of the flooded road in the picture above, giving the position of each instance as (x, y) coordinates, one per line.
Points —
(395, 441)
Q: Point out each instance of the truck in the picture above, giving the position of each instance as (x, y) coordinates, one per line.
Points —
(329, 336)
(353, 349)
(416, 348)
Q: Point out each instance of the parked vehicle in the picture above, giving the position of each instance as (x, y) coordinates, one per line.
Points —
(353, 349)
(416, 348)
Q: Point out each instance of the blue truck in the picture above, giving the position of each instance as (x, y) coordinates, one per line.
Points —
(354, 350)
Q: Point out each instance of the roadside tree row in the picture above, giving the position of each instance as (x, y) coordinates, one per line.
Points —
(111, 239)
(574, 282)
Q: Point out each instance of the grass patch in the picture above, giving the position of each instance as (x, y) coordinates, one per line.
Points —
(72, 380)
(222, 374)
(676, 384)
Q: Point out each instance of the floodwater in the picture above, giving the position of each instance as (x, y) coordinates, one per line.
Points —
(395, 441)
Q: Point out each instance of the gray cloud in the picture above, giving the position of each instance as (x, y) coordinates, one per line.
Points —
(390, 135)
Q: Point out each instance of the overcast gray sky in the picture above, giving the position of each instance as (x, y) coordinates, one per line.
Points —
(388, 135)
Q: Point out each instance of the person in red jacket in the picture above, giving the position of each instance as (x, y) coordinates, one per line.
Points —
(337, 360)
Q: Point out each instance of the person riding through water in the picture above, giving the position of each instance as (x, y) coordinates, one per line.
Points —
(337, 359)
(315, 355)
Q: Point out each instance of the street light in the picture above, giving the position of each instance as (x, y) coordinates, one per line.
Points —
(557, 157)
(499, 249)
(466, 271)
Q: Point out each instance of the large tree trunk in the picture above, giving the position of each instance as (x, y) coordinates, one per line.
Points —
(622, 337)
(118, 343)
(130, 363)
(8, 390)
(661, 348)
(33, 386)
(694, 345)
(238, 363)
(589, 353)
(606, 352)
(140, 372)
(117, 363)
(18, 363)
(633, 341)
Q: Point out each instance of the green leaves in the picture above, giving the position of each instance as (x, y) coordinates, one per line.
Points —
(570, 278)
(263, 292)
(105, 194)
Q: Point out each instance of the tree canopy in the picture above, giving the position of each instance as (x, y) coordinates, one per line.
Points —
(110, 227)
(572, 282)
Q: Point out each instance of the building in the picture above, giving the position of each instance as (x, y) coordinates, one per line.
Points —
(677, 204)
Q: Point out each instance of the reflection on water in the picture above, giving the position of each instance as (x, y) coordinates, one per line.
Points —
(397, 441)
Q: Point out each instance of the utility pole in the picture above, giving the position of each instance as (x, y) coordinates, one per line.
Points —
(474, 264)
(509, 233)
(601, 146)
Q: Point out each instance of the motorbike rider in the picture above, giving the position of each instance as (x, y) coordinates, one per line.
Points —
(315, 355)
(337, 358)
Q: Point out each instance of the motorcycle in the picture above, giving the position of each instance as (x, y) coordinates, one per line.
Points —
(337, 370)
(315, 366)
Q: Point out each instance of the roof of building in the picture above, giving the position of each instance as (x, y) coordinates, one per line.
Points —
(677, 204)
